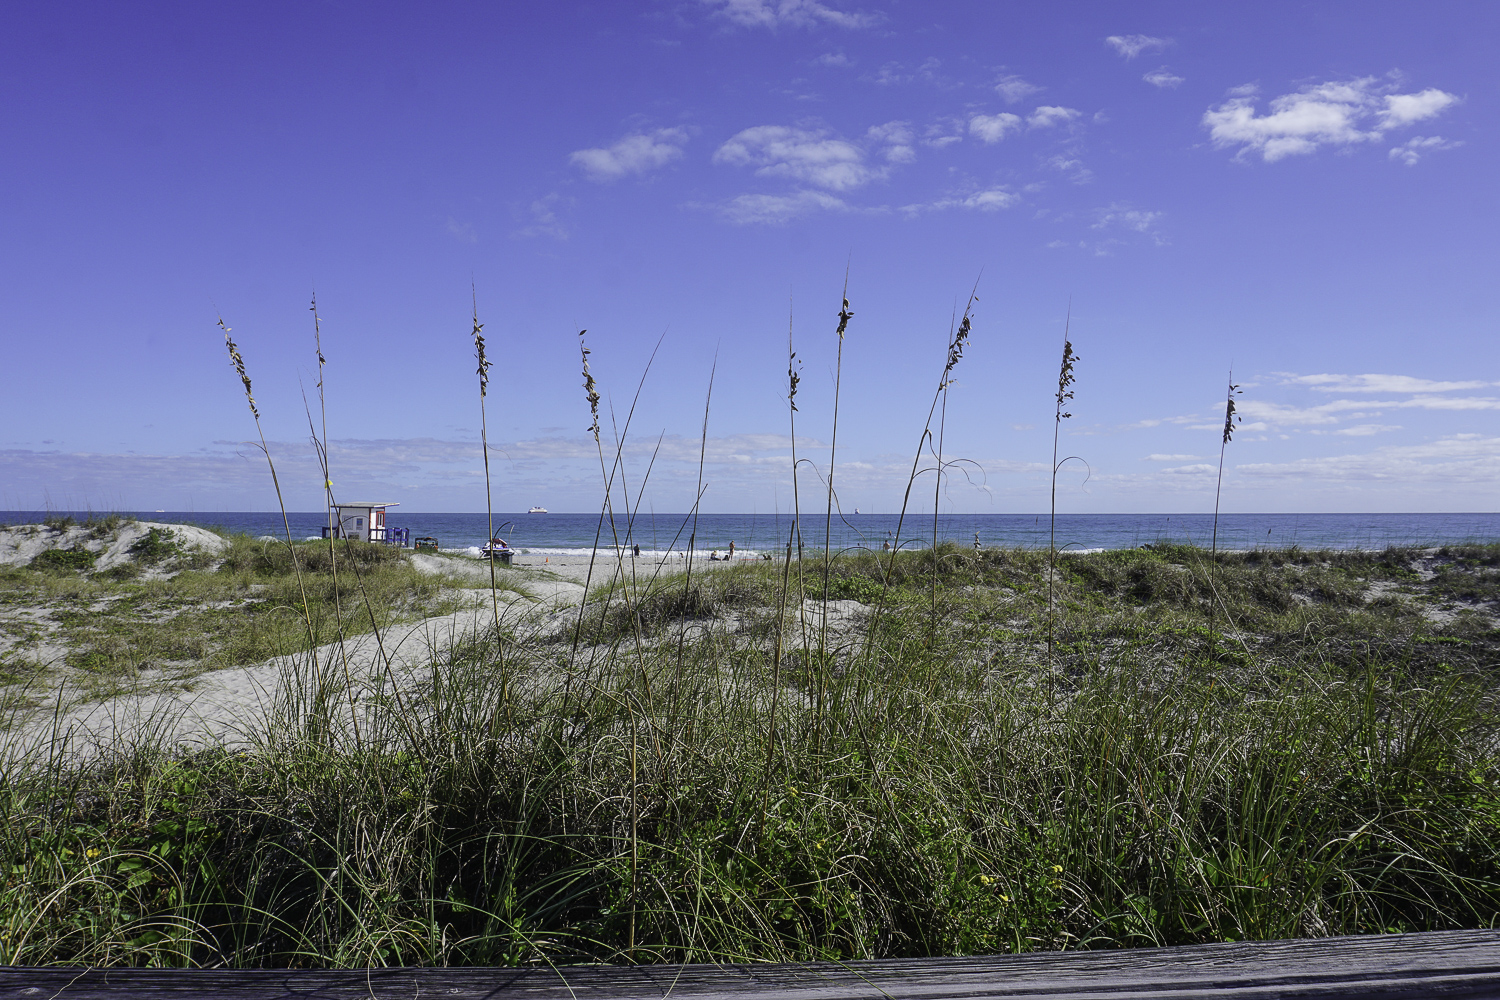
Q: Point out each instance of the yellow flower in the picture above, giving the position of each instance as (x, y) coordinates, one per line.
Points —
(93, 852)
(986, 879)
(1057, 868)
(1004, 898)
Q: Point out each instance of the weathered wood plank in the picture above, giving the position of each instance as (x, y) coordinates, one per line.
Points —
(1440, 964)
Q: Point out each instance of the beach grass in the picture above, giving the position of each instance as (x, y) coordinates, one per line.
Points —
(1332, 770)
(913, 752)
(235, 608)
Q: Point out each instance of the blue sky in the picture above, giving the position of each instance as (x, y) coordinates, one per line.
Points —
(1304, 192)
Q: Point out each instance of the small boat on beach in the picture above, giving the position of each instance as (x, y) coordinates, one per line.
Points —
(537, 510)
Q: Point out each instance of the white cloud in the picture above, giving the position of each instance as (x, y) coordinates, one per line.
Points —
(894, 73)
(1272, 415)
(836, 59)
(1412, 150)
(774, 209)
(1072, 166)
(1365, 430)
(944, 132)
(1126, 217)
(544, 219)
(1461, 458)
(897, 137)
(989, 200)
(1325, 114)
(1191, 470)
(1379, 383)
(1012, 88)
(1403, 109)
(634, 154)
(1131, 46)
(814, 157)
(790, 13)
(1163, 78)
(1048, 115)
(1170, 458)
(992, 128)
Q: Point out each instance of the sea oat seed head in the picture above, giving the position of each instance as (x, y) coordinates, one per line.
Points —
(1065, 378)
(590, 388)
(844, 316)
(239, 366)
(1230, 417)
(484, 365)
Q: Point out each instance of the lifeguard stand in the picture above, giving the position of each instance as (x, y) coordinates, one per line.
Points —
(363, 522)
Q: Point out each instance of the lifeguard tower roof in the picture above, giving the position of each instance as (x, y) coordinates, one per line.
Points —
(366, 503)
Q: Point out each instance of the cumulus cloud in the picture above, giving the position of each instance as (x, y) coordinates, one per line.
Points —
(634, 154)
(1412, 150)
(895, 73)
(1267, 414)
(836, 59)
(992, 128)
(1012, 88)
(1324, 114)
(1131, 46)
(790, 13)
(1125, 217)
(897, 137)
(990, 200)
(1380, 383)
(1458, 459)
(1048, 115)
(776, 209)
(800, 154)
(1163, 78)
(1070, 165)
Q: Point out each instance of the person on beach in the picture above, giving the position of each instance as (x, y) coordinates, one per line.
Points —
(713, 556)
(731, 548)
(637, 553)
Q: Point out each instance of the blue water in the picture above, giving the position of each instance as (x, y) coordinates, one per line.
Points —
(574, 534)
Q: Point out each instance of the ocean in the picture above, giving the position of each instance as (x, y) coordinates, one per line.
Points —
(753, 534)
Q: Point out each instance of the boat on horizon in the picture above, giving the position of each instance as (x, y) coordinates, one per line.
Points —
(537, 510)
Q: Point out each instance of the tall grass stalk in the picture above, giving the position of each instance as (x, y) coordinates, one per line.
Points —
(957, 341)
(1230, 419)
(937, 491)
(483, 371)
(833, 450)
(320, 448)
(1065, 379)
(687, 576)
(793, 377)
(306, 612)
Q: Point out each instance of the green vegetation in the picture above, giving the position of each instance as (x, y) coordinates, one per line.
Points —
(240, 607)
(1327, 765)
(940, 752)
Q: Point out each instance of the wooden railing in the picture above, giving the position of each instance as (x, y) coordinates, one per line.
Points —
(1437, 964)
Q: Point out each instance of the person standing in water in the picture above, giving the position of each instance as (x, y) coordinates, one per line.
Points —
(731, 548)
